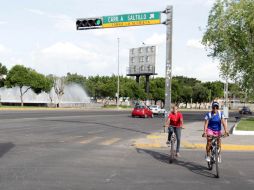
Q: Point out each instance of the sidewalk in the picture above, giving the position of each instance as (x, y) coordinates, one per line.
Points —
(192, 139)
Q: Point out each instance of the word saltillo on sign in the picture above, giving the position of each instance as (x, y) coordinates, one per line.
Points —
(138, 19)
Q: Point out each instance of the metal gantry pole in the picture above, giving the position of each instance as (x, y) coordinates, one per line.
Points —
(168, 74)
(118, 79)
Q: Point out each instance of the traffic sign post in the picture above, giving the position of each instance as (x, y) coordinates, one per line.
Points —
(168, 73)
(139, 19)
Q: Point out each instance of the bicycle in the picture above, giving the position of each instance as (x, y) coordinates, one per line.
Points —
(214, 154)
(172, 148)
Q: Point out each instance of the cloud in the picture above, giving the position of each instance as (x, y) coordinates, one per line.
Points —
(103, 33)
(37, 11)
(156, 39)
(4, 50)
(62, 57)
(3, 22)
(62, 21)
(204, 71)
(68, 51)
(194, 43)
(203, 2)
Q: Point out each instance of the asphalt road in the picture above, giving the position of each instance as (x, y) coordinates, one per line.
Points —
(77, 150)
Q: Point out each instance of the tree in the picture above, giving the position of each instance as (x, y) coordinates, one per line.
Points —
(59, 84)
(215, 89)
(3, 73)
(176, 91)
(134, 91)
(50, 79)
(75, 78)
(200, 93)
(187, 94)
(26, 79)
(157, 89)
(230, 38)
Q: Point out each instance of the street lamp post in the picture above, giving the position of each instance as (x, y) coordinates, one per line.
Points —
(226, 105)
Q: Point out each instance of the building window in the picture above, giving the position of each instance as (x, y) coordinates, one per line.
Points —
(132, 59)
(147, 59)
(150, 68)
(132, 51)
(152, 49)
(140, 50)
(142, 68)
(141, 59)
(148, 49)
(134, 68)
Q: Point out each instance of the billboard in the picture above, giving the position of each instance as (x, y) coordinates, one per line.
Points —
(142, 61)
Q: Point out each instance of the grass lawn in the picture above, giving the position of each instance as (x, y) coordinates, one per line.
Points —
(114, 106)
(246, 124)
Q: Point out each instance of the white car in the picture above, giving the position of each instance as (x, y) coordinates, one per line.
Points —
(156, 109)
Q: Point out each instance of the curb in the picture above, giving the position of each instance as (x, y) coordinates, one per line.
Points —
(239, 132)
(158, 140)
(230, 147)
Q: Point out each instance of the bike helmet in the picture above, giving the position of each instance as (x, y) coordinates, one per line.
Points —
(215, 104)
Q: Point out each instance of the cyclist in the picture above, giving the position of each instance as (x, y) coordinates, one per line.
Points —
(212, 127)
(175, 125)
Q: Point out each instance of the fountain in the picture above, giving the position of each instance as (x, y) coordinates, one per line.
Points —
(74, 96)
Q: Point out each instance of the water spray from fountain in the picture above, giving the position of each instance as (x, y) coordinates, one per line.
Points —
(72, 94)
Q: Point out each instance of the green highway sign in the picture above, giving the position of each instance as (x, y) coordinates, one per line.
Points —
(137, 19)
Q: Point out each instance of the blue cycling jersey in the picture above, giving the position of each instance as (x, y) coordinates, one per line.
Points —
(214, 120)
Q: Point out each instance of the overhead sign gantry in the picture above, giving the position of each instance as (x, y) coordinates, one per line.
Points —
(138, 19)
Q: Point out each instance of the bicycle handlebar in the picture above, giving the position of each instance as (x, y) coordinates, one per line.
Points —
(220, 136)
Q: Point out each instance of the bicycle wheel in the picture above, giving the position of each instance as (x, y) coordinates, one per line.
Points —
(210, 165)
(217, 163)
(171, 157)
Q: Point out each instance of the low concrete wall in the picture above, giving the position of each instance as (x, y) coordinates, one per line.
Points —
(81, 105)
(53, 105)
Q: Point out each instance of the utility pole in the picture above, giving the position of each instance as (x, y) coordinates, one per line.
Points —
(118, 80)
(168, 74)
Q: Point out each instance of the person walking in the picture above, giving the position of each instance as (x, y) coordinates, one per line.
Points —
(175, 124)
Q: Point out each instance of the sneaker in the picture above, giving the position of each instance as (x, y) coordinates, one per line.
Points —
(208, 158)
(178, 155)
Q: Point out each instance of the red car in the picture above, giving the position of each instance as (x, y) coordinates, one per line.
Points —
(142, 111)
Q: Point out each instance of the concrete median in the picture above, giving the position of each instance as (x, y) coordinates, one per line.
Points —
(191, 139)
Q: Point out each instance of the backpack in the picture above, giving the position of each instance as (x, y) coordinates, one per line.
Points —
(210, 115)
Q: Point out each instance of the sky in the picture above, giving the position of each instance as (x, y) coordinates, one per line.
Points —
(42, 35)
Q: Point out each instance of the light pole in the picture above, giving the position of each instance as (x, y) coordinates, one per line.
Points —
(226, 105)
(118, 81)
